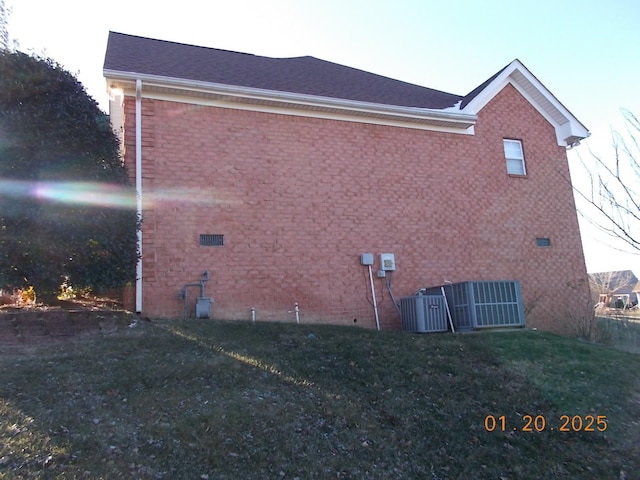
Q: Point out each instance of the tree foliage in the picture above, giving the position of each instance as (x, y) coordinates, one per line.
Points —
(66, 207)
(613, 198)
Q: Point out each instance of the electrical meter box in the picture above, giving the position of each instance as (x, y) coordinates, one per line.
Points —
(387, 262)
(366, 259)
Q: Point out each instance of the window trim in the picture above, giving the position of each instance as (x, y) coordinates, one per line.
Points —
(512, 159)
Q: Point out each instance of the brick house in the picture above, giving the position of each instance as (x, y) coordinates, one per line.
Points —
(276, 174)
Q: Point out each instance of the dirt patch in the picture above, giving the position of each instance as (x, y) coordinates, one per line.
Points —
(80, 303)
(38, 324)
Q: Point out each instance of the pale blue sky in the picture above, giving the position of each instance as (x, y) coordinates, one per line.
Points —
(585, 52)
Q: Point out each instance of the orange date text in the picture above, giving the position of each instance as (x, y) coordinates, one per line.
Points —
(540, 423)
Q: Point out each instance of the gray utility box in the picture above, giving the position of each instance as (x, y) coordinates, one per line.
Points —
(203, 307)
(477, 305)
(423, 313)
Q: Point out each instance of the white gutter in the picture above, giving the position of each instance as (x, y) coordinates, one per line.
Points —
(299, 99)
(139, 192)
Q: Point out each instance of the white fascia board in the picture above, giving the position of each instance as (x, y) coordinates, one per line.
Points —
(569, 130)
(313, 106)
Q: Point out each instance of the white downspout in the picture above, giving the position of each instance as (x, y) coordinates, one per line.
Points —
(139, 192)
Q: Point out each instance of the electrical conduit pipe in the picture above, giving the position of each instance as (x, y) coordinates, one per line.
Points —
(375, 300)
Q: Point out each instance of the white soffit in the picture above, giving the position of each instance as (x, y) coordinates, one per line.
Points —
(449, 120)
(568, 128)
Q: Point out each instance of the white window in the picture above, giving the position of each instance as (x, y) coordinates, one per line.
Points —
(515, 157)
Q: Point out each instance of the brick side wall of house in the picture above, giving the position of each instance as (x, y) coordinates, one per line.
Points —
(299, 199)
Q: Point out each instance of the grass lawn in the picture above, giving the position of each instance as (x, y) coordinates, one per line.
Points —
(227, 400)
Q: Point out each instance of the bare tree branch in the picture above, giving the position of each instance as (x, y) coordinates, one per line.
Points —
(613, 195)
(4, 29)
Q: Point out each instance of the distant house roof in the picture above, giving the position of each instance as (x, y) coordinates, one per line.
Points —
(308, 83)
(617, 282)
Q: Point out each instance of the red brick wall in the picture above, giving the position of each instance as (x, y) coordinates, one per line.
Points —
(299, 199)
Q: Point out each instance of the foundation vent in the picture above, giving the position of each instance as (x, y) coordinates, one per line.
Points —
(211, 240)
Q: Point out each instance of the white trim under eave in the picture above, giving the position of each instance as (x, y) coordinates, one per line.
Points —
(377, 119)
(295, 104)
(568, 128)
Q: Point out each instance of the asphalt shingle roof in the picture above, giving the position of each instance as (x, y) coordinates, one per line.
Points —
(302, 75)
